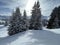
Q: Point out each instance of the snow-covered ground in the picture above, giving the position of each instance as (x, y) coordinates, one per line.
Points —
(31, 37)
(3, 31)
(57, 31)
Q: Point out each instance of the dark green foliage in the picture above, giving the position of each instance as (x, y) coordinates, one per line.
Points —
(54, 21)
(59, 14)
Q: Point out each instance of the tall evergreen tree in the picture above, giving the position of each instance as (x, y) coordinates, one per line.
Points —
(36, 21)
(15, 23)
(59, 14)
(54, 19)
(24, 23)
(56, 22)
(32, 18)
(24, 15)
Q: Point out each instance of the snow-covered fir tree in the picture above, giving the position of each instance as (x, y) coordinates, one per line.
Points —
(54, 21)
(25, 22)
(36, 21)
(24, 15)
(15, 23)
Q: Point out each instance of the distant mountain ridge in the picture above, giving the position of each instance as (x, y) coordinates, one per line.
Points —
(8, 17)
(43, 17)
(4, 17)
(46, 17)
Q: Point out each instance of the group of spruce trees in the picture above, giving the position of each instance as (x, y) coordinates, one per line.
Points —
(19, 23)
(54, 21)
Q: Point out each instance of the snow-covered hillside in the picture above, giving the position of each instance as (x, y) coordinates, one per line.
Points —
(3, 31)
(31, 37)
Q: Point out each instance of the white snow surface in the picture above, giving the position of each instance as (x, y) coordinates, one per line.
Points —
(57, 31)
(31, 37)
(3, 31)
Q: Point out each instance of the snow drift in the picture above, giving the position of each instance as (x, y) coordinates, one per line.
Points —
(32, 37)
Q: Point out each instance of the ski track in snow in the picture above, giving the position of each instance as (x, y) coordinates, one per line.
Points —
(32, 37)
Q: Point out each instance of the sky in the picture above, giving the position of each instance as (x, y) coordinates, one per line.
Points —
(8, 6)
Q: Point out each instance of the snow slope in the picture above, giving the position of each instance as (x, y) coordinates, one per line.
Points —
(33, 37)
(3, 31)
(57, 31)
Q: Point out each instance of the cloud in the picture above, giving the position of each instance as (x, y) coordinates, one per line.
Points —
(48, 5)
(7, 6)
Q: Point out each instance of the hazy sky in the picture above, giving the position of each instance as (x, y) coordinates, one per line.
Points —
(7, 6)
